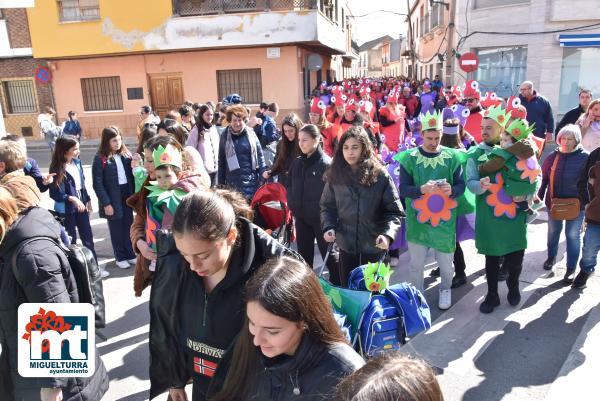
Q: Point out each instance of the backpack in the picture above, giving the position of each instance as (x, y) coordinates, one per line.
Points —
(382, 327)
(411, 303)
(86, 272)
(71, 127)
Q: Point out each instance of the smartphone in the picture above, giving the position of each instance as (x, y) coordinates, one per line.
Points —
(440, 182)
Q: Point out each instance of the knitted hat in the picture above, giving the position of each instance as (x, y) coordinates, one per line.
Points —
(490, 99)
(166, 156)
(497, 114)
(461, 112)
(431, 121)
(351, 104)
(393, 95)
(317, 106)
(520, 129)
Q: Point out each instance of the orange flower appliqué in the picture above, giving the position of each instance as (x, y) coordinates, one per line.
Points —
(500, 201)
(530, 168)
(433, 207)
(165, 158)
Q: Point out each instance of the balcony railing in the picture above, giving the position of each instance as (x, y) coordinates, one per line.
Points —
(208, 7)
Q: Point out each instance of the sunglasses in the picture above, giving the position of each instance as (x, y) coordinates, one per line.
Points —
(469, 100)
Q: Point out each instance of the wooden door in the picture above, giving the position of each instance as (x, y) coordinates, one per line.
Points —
(166, 93)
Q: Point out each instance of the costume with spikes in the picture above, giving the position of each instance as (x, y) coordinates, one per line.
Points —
(431, 218)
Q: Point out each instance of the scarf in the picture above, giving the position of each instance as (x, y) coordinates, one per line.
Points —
(232, 160)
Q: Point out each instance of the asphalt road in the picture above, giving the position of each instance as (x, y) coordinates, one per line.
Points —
(546, 348)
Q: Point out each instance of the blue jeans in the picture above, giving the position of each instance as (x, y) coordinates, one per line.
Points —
(573, 234)
(591, 247)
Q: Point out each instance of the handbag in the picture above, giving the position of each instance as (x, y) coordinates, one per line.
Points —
(562, 208)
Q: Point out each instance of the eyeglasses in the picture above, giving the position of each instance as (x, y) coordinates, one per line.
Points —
(469, 100)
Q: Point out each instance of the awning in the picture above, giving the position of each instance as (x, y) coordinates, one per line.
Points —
(580, 40)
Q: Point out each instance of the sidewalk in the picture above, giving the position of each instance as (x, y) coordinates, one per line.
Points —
(92, 143)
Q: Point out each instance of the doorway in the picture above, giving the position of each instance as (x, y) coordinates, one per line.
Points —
(166, 93)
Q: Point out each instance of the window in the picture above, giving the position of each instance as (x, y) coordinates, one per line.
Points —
(135, 93)
(101, 94)
(579, 71)
(78, 10)
(20, 96)
(495, 3)
(501, 70)
(247, 83)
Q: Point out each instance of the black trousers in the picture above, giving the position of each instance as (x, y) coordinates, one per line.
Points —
(306, 233)
(350, 261)
(459, 261)
(513, 263)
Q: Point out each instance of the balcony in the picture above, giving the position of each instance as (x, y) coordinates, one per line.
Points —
(211, 7)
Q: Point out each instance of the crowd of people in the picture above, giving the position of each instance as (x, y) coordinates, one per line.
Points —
(382, 165)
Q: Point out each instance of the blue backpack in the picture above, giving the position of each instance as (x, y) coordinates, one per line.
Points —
(382, 327)
(72, 127)
(405, 297)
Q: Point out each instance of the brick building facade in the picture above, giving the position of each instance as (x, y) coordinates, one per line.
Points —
(21, 97)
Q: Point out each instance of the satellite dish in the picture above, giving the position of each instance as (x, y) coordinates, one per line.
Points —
(315, 62)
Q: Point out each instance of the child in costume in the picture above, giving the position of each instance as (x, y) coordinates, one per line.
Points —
(515, 160)
(165, 194)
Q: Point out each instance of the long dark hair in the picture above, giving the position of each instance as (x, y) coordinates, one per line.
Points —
(210, 214)
(201, 125)
(174, 129)
(57, 164)
(369, 167)
(109, 133)
(391, 376)
(287, 149)
(313, 131)
(287, 288)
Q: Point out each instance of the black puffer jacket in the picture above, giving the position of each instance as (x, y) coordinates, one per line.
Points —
(43, 275)
(358, 213)
(190, 329)
(305, 185)
(310, 375)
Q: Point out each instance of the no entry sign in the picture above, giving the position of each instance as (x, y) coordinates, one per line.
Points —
(42, 75)
(468, 62)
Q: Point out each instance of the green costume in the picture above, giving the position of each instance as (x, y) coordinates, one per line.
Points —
(431, 219)
(500, 226)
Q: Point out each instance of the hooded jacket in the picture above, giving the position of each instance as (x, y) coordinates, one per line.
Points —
(359, 213)
(312, 374)
(190, 329)
(42, 274)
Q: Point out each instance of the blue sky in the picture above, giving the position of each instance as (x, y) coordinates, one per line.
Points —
(380, 23)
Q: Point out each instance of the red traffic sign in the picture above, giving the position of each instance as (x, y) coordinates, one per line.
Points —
(42, 75)
(468, 62)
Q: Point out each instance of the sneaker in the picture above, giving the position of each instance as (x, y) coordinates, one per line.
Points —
(394, 262)
(435, 272)
(132, 261)
(489, 303)
(549, 263)
(445, 300)
(122, 264)
(104, 273)
(569, 276)
(581, 279)
(458, 281)
(514, 296)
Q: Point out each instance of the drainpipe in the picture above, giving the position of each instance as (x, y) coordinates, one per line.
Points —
(450, 52)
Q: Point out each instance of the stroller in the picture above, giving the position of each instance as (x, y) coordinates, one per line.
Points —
(380, 316)
(271, 212)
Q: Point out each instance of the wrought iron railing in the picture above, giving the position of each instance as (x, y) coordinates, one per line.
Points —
(207, 7)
